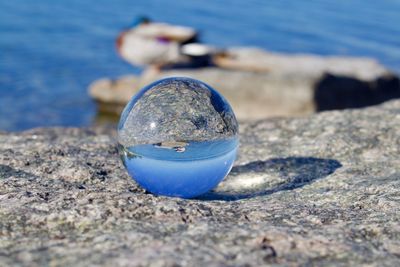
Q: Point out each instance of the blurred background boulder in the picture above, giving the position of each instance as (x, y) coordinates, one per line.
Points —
(261, 84)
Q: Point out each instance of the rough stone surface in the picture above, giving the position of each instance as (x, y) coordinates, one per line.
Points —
(292, 85)
(317, 191)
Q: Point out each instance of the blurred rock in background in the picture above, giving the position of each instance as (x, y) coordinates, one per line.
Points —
(261, 84)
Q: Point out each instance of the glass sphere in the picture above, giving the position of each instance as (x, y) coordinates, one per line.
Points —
(178, 137)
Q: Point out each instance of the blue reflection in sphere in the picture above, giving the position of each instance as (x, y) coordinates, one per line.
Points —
(178, 137)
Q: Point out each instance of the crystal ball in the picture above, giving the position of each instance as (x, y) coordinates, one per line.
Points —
(178, 137)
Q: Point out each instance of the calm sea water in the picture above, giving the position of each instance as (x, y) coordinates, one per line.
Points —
(51, 50)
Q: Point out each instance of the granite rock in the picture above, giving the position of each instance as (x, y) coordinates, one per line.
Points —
(322, 190)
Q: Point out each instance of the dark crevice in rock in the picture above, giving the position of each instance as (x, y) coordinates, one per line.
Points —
(7, 171)
(342, 92)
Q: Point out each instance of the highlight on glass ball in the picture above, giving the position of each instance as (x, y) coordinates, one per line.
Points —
(178, 137)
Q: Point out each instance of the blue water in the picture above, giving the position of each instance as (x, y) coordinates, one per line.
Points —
(189, 173)
(51, 50)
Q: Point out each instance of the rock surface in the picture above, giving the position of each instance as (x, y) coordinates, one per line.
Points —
(293, 85)
(322, 190)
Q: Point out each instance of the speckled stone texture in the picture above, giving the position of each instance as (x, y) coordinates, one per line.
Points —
(317, 191)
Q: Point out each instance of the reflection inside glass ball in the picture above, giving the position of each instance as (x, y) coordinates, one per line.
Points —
(178, 137)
